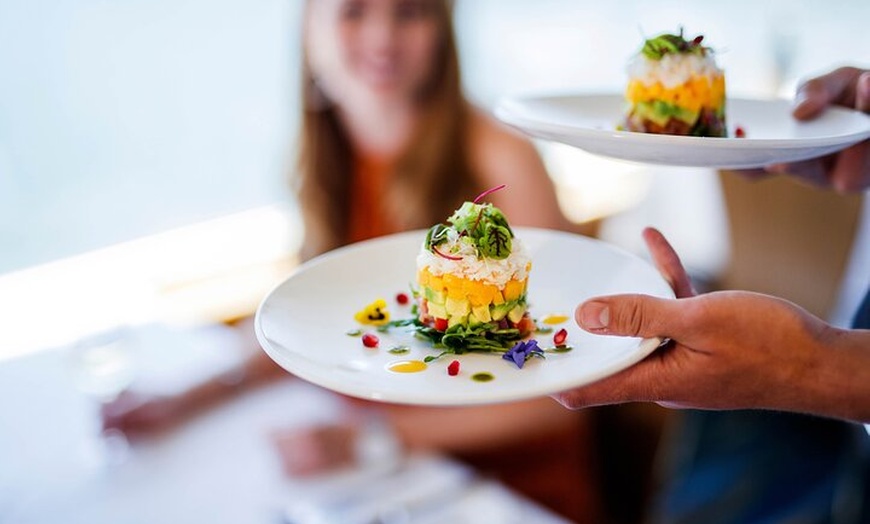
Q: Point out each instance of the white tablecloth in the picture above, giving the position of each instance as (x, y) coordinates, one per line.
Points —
(218, 467)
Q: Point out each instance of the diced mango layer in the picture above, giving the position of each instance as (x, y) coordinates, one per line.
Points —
(698, 92)
(476, 294)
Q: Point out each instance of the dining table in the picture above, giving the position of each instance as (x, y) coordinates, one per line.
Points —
(58, 465)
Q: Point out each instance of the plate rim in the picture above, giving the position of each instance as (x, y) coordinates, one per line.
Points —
(644, 348)
(505, 111)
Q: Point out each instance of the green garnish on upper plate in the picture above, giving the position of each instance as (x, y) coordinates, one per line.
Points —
(657, 47)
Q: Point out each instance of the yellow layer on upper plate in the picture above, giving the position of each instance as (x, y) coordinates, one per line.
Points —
(697, 93)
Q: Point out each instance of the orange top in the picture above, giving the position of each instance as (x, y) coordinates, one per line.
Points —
(367, 217)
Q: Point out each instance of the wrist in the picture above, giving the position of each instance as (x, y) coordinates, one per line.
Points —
(836, 380)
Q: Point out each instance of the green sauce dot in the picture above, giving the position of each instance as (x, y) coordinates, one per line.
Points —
(482, 377)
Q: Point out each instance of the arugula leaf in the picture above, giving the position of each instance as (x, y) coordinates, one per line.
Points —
(462, 339)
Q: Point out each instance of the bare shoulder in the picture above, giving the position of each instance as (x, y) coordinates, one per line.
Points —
(502, 155)
(494, 144)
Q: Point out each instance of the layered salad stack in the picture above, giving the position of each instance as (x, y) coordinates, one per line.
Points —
(676, 88)
(472, 276)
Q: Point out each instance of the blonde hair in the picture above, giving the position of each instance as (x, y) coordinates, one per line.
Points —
(430, 179)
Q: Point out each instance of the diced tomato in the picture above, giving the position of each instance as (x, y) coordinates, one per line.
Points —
(441, 324)
(525, 325)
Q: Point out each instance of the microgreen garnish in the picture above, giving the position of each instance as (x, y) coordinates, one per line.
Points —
(399, 350)
(656, 48)
(487, 192)
(559, 349)
(459, 338)
(477, 222)
(432, 358)
(543, 330)
(436, 235)
(523, 351)
(484, 224)
(402, 322)
(444, 255)
(354, 333)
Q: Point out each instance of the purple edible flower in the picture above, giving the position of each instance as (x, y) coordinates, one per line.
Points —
(523, 351)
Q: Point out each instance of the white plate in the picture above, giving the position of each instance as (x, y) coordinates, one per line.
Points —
(303, 323)
(772, 134)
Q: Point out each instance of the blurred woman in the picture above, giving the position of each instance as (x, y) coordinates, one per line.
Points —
(389, 143)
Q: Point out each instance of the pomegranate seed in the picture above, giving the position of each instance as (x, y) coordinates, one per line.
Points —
(441, 324)
(453, 368)
(739, 132)
(402, 298)
(370, 341)
(560, 336)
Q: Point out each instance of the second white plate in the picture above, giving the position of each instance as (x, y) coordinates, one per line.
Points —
(590, 122)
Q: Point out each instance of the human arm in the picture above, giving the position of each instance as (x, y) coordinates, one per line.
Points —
(457, 430)
(141, 410)
(728, 350)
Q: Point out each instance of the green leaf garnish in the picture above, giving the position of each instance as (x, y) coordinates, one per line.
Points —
(481, 225)
(436, 235)
(432, 358)
(495, 242)
(657, 47)
(456, 340)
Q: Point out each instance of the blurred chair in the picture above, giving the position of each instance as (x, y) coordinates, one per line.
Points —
(788, 239)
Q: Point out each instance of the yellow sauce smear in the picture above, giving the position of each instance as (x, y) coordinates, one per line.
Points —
(407, 366)
(554, 319)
